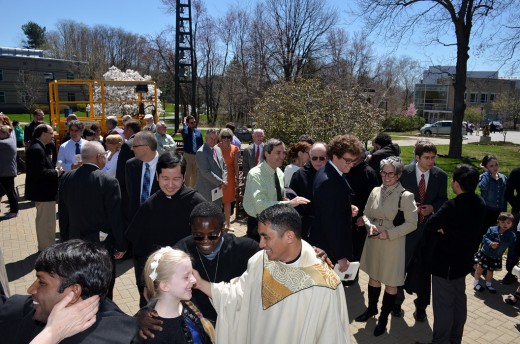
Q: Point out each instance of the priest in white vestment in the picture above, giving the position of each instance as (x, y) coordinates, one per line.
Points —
(287, 295)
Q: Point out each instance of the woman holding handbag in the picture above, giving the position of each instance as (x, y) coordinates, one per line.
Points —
(390, 214)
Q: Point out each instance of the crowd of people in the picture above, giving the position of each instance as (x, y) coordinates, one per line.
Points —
(130, 193)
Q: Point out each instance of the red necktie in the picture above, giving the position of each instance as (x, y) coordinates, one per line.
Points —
(422, 192)
(257, 154)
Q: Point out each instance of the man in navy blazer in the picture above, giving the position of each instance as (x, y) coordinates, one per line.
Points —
(436, 184)
(333, 210)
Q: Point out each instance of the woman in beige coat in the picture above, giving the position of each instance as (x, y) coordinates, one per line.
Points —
(383, 257)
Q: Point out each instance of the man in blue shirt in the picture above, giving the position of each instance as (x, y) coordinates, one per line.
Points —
(192, 139)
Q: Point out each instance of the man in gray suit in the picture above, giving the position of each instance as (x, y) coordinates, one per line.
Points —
(254, 154)
(429, 185)
(211, 167)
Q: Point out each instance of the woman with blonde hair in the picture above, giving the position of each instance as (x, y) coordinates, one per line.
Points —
(230, 153)
(169, 280)
(298, 155)
(113, 143)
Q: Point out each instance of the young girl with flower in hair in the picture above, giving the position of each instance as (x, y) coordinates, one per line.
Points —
(169, 280)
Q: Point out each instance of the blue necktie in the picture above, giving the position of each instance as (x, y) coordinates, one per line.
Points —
(146, 184)
(194, 141)
(77, 148)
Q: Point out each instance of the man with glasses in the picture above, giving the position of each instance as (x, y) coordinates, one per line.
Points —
(192, 141)
(429, 184)
(41, 185)
(70, 151)
(89, 205)
(302, 183)
(163, 219)
(332, 206)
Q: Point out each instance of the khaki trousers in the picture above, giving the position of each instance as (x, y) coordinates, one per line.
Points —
(45, 224)
(190, 177)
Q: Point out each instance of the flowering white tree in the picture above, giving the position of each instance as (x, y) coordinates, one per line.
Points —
(121, 92)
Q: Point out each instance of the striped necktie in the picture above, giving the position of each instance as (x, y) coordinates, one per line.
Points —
(145, 193)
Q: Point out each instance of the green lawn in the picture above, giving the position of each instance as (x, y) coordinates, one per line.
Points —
(26, 117)
(508, 156)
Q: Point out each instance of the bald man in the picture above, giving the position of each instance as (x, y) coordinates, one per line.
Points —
(90, 204)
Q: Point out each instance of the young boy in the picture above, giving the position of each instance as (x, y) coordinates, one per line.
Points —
(452, 243)
(494, 244)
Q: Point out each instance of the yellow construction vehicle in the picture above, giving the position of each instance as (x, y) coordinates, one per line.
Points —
(101, 98)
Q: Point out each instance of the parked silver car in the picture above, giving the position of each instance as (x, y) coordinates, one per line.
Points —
(439, 128)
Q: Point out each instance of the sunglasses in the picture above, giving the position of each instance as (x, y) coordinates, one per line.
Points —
(225, 137)
(320, 158)
(209, 237)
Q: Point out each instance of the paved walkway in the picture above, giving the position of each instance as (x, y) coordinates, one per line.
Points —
(490, 320)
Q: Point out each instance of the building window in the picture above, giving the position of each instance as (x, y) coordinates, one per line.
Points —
(2, 97)
(21, 73)
(465, 96)
(70, 76)
(483, 98)
(473, 97)
(71, 97)
(492, 97)
(1, 75)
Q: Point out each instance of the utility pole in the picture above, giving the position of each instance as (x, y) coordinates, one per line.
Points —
(185, 66)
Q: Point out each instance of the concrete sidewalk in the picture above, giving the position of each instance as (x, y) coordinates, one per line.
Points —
(490, 320)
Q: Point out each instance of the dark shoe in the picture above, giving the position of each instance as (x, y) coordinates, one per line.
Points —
(369, 313)
(8, 216)
(478, 288)
(380, 327)
(491, 289)
(397, 311)
(508, 279)
(420, 315)
(511, 300)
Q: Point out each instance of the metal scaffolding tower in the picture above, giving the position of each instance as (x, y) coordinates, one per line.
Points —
(185, 65)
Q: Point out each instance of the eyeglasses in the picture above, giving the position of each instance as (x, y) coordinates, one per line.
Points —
(349, 161)
(134, 146)
(387, 174)
(192, 122)
(203, 237)
(105, 154)
(226, 137)
(320, 158)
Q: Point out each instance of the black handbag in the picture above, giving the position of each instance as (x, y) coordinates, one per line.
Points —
(399, 217)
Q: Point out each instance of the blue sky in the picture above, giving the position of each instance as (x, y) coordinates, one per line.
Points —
(148, 17)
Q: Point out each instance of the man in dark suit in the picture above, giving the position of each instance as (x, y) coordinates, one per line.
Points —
(452, 248)
(435, 183)
(362, 178)
(90, 204)
(302, 183)
(29, 128)
(139, 168)
(211, 168)
(333, 210)
(383, 148)
(254, 153)
(131, 128)
(41, 185)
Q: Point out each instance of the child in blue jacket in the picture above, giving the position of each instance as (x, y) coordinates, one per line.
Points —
(494, 243)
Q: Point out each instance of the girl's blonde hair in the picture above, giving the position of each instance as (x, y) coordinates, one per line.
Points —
(160, 266)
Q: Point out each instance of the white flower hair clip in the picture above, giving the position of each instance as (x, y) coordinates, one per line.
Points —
(155, 262)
